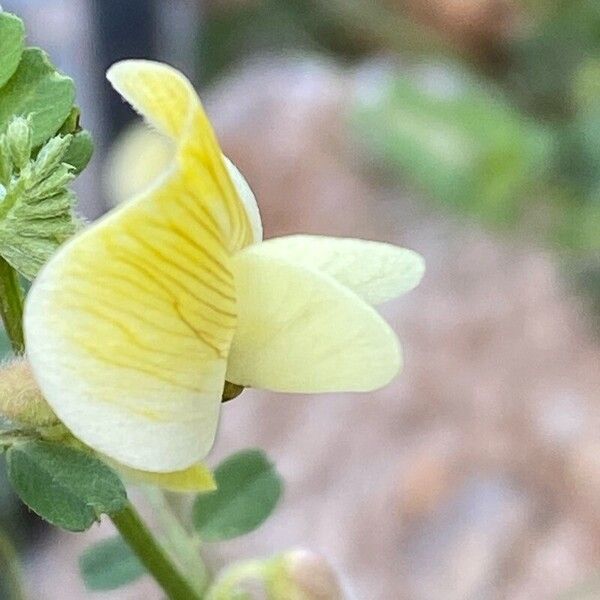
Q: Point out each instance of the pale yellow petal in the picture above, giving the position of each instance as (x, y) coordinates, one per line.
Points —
(376, 271)
(129, 325)
(135, 159)
(248, 200)
(167, 100)
(197, 478)
(161, 94)
(301, 331)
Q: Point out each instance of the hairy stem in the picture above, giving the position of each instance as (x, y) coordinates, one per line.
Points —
(152, 556)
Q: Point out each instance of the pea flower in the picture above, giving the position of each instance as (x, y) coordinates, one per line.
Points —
(135, 324)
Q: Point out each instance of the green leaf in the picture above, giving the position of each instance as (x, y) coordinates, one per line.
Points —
(37, 89)
(67, 487)
(12, 38)
(80, 151)
(248, 489)
(36, 215)
(109, 564)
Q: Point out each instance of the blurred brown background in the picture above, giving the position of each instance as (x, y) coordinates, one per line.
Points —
(468, 130)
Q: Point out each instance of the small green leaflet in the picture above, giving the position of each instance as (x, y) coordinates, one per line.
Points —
(82, 147)
(80, 151)
(37, 89)
(109, 564)
(12, 37)
(68, 488)
(248, 489)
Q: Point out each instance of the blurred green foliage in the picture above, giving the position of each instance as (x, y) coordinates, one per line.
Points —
(109, 565)
(498, 141)
(345, 29)
(457, 139)
(543, 62)
(248, 490)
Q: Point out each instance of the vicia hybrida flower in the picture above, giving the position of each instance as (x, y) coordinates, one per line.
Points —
(135, 324)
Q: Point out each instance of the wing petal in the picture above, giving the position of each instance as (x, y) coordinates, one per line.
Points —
(301, 331)
(376, 271)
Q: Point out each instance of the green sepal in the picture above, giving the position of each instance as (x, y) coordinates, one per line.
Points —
(71, 124)
(248, 490)
(67, 487)
(80, 151)
(37, 90)
(19, 141)
(12, 39)
(109, 564)
(50, 156)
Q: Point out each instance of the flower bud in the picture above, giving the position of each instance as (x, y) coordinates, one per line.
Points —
(294, 575)
(6, 165)
(51, 156)
(241, 580)
(303, 575)
(21, 400)
(19, 139)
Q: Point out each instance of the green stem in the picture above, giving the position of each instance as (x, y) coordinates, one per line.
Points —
(152, 556)
(180, 542)
(10, 559)
(11, 305)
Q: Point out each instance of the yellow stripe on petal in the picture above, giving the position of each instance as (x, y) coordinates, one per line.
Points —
(197, 478)
(167, 100)
(302, 331)
(375, 271)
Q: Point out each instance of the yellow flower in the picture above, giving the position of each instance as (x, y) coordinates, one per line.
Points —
(135, 324)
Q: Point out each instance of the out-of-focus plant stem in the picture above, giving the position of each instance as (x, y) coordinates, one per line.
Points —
(11, 305)
(152, 556)
(11, 569)
(182, 545)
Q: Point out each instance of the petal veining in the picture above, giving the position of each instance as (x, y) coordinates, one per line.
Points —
(141, 152)
(168, 102)
(128, 326)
